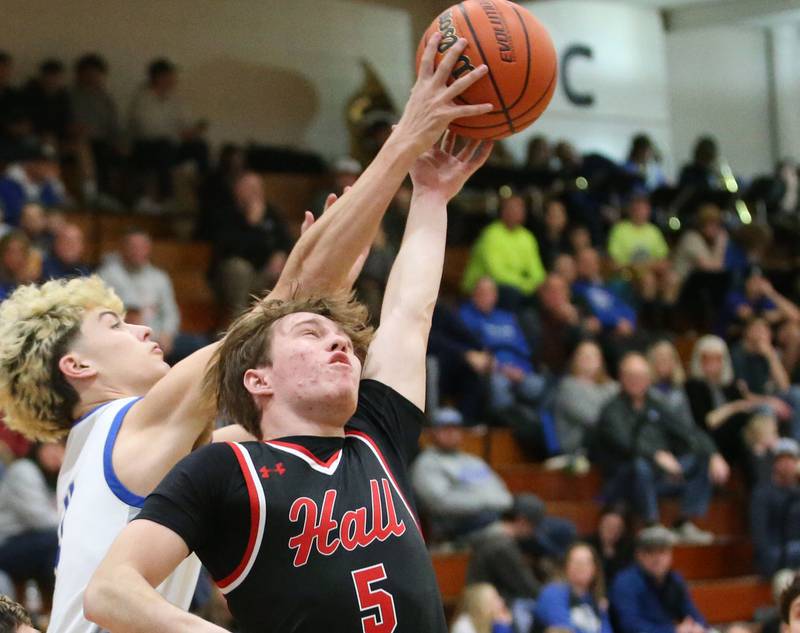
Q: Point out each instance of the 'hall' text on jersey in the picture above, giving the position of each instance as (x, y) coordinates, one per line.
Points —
(310, 534)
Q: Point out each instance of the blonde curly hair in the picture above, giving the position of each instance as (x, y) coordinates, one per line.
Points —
(37, 324)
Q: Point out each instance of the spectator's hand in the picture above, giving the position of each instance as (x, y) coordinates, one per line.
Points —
(718, 469)
(667, 462)
(783, 411)
(481, 362)
(166, 342)
(593, 325)
(744, 312)
(431, 106)
(514, 374)
(568, 313)
(624, 328)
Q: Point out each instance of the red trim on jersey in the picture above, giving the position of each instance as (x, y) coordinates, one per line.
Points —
(254, 510)
(306, 452)
(388, 470)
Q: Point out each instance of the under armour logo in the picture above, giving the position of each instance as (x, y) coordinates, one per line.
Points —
(279, 468)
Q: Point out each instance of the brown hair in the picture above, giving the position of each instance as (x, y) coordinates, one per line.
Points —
(788, 597)
(598, 588)
(247, 345)
(12, 615)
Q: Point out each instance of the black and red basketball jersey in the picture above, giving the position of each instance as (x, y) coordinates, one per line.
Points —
(310, 534)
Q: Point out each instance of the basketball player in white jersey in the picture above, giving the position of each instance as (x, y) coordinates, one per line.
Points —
(70, 365)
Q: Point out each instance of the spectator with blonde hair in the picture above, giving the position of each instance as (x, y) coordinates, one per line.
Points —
(668, 379)
(481, 610)
(718, 404)
(578, 603)
(581, 396)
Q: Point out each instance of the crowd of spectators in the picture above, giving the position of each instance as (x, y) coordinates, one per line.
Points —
(612, 319)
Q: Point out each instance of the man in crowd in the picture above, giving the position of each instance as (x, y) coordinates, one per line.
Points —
(459, 492)
(775, 512)
(97, 120)
(507, 252)
(47, 102)
(615, 316)
(250, 252)
(513, 378)
(162, 132)
(148, 289)
(32, 176)
(650, 596)
(790, 607)
(67, 259)
(645, 452)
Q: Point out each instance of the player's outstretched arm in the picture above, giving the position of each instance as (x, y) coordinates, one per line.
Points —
(121, 595)
(396, 356)
(322, 259)
(168, 422)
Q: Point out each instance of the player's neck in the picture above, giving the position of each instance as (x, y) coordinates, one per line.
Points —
(96, 395)
(280, 420)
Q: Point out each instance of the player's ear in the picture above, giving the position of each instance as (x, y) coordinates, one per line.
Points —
(257, 382)
(75, 367)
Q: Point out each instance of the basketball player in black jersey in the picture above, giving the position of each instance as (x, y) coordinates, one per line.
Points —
(313, 528)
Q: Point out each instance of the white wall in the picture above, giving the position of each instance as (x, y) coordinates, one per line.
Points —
(627, 75)
(719, 84)
(276, 71)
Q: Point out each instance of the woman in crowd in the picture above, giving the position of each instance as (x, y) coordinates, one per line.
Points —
(613, 541)
(580, 397)
(482, 610)
(578, 603)
(718, 404)
(668, 379)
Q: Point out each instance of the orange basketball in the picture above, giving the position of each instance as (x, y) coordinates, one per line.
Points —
(520, 56)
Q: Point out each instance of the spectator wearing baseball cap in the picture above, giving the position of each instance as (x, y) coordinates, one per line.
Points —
(651, 596)
(775, 512)
(458, 492)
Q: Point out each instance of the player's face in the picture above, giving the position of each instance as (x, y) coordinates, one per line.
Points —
(313, 364)
(123, 355)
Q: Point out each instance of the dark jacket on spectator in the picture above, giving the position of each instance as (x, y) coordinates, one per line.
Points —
(621, 559)
(253, 243)
(50, 113)
(641, 606)
(775, 526)
(623, 434)
(497, 559)
(703, 399)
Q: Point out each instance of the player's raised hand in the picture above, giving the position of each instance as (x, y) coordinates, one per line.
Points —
(444, 168)
(431, 106)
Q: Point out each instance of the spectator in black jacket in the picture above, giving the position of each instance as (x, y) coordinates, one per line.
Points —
(47, 101)
(775, 512)
(645, 452)
(250, 252)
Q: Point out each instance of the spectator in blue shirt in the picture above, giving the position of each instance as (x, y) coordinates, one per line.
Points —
(513, 379)
(775, 512)
(66, 260)
(579, 603)
(650, 596)
(32, 178)
(614, 314)
(757, 298)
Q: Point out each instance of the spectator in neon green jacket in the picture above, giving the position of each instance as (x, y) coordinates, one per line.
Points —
(638, 244)
(507, 252)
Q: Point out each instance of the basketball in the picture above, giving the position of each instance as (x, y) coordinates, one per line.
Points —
(521, 59)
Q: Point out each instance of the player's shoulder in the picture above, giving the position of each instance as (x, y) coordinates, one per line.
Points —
(377, 395)
(216, 454)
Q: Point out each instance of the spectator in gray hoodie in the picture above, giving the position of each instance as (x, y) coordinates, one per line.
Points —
(148, 290)
(458, 492)
(28, 517)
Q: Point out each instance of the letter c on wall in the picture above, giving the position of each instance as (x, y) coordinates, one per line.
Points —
(582, 99)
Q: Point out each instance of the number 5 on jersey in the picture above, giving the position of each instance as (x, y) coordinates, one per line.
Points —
(385, 621)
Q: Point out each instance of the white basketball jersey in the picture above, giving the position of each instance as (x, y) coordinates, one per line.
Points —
(94, 507)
